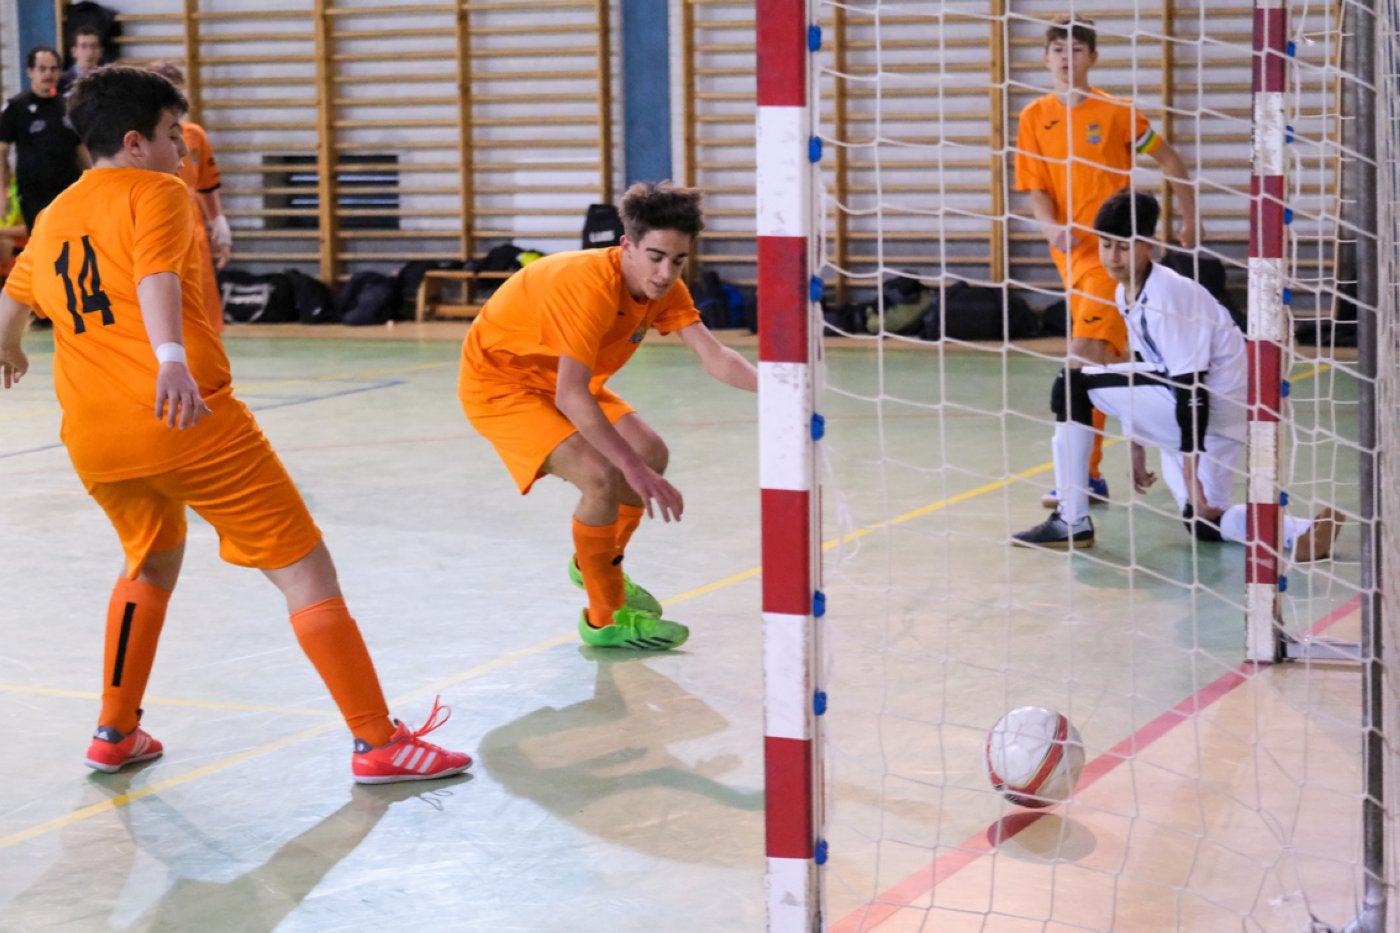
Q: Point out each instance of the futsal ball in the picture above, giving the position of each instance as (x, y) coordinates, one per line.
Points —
(1034, 757)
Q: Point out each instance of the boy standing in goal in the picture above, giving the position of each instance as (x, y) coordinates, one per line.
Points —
(1075, 147)
(1185, 393)
(534, 368)
(152, 426)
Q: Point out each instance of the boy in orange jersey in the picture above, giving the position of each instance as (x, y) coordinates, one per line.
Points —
(200, 173)
(152, 426)
(534, 365)
(1075, 148)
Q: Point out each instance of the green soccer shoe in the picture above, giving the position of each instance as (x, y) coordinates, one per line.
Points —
(633, 629)
(636, 597)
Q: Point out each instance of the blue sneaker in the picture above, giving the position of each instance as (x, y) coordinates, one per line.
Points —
(1098, 494)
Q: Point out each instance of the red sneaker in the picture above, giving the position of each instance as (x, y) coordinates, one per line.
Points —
(111, 751)
(407, 757)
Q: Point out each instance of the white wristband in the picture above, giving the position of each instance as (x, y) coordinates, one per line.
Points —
(170, 353)
(219, 233)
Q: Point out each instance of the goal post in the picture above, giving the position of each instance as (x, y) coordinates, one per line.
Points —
(784, 140)
(1267, 332)
(1374, 59)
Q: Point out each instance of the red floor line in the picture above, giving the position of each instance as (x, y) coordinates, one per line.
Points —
(921, 882)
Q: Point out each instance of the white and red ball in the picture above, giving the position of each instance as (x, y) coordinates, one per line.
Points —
(1034, 756)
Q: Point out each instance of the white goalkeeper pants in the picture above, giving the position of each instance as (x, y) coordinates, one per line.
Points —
(1148, 416)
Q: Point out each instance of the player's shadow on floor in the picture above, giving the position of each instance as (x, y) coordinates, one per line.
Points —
(257, 899)
(604, 766)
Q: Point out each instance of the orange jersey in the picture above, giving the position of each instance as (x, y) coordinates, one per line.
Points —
(569, 304)
(198, 169)
(89, 249)
(213, 299)
(1107, 135)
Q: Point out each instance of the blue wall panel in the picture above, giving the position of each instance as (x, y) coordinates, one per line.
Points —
(646, 90)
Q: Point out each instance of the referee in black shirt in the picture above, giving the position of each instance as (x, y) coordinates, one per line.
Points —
(48, 155)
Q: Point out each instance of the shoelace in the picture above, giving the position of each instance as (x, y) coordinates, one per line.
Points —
(434, 719)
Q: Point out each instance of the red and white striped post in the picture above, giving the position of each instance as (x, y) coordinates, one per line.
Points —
(785, 151)
(1267, 333)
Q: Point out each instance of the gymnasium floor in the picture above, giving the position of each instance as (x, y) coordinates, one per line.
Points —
(618, 792)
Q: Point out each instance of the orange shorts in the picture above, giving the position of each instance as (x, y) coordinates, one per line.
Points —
(244, 492)
(1093, 310)
(1093, 307)
(525, 426)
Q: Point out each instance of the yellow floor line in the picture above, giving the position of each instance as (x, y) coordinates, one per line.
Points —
(107, 806)
(711, 587)
(484, 668)
(120, 801)
(170, 701)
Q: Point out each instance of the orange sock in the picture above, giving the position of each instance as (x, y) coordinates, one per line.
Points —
(628, 518)
(331, 639)
(135, 616)
(600, 562)
(1096, 455)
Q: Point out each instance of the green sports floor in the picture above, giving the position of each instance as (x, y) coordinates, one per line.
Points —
(624, 792)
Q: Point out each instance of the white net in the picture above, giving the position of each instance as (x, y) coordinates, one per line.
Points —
(1218, 794)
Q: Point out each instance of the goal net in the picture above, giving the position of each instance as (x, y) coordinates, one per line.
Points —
(1223, 789)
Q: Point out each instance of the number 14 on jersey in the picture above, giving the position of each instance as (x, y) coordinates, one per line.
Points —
(89, 286)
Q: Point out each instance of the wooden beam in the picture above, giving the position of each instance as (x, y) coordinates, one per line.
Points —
(283, 59)
(1168, 27)
(326, 150)
(211, 16)
(194, 90)
(466, 154)
(688, 91)
(233, 38)
(841, 241)
(690, 168)
(514, 5)
(145, 17)
(996, 137)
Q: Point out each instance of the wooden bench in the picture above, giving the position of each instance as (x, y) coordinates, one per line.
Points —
(452, 293)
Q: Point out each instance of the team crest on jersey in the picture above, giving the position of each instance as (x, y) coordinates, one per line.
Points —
(1094, 133)
(639, 333)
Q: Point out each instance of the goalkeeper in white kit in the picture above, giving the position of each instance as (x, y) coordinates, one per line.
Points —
(1183, 392)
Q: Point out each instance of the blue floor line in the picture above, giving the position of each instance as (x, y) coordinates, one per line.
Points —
(287, 403)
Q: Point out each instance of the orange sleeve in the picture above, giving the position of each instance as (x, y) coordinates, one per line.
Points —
(207, 170)
(1031, 174)
(164, 229)
(198, 168)
(1145, 138)
(19, 284)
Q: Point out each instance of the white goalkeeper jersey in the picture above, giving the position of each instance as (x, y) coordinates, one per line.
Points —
(1178, 327)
